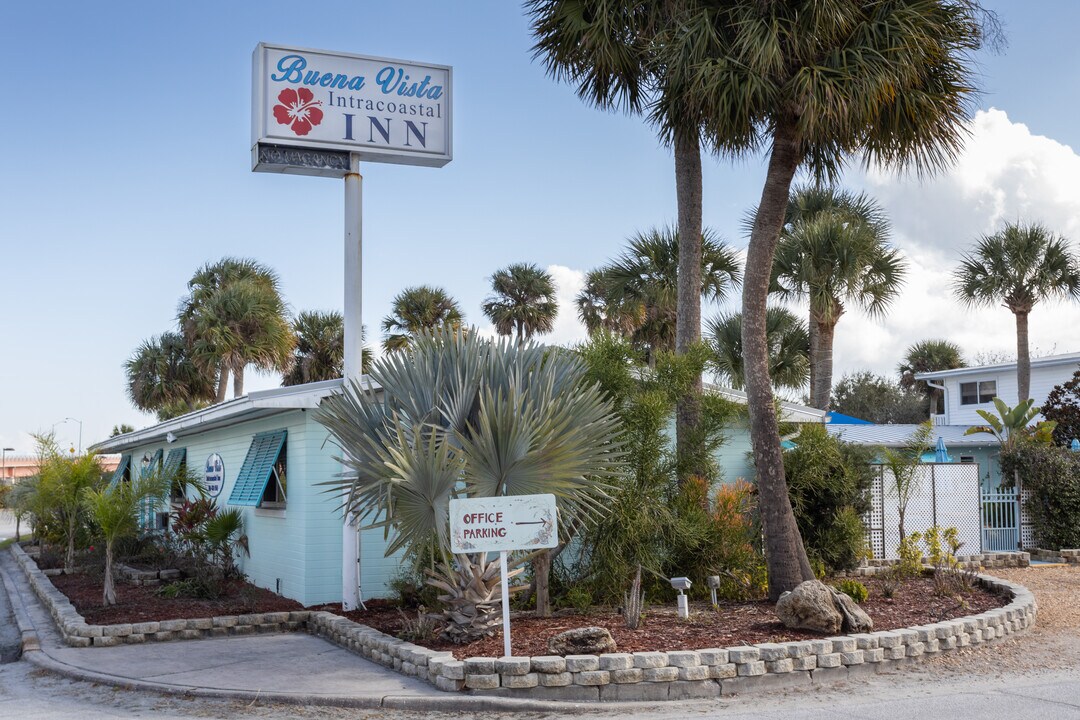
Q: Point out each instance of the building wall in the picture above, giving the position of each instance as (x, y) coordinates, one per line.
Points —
(296, 550)
(735, 455)
(1043, 380)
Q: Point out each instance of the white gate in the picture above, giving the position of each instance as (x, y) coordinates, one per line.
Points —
(943, 494)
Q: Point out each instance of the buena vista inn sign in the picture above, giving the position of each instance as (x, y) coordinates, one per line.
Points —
(311, 109)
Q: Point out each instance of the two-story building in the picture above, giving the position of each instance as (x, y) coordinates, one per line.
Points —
(970, 389)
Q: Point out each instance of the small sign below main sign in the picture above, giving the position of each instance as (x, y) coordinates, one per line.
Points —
(515, 522)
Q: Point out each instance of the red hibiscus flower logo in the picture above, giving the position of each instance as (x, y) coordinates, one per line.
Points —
(298, 109)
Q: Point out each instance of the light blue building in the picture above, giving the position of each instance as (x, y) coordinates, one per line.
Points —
(265, 454)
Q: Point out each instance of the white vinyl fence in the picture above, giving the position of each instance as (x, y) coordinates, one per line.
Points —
(945, 494)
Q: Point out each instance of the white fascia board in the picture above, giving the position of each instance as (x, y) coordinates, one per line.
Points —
(1048, 361)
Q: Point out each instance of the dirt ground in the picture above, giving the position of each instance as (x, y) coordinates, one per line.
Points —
(913, 602)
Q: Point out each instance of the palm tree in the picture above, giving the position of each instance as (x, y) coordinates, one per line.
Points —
(320, 348)
(162, 377)
(62, 480)
(522, 301)
(789, 348)
(1018, 267)
(115, 510)
(642, 283)
(929, 356)
(814, 83)
(631, 55)
(234, 316)
(418, 309)
(833, 251)
(466, 416)
(600, 314)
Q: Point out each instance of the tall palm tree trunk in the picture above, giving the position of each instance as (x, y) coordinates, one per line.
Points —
(784, 553)
(812, 334)
(821, 359)
(108, 585)
(688, 312)
(222, 382)
(238, 381)
(1023, 358)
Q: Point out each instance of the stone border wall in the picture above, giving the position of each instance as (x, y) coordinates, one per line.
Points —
(649, 676)
(1070, 557)
(77, 633)
(967, 562)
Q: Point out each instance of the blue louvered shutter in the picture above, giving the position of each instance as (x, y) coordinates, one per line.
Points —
(149, 505)
(257, 468)
(125, 463)
(174, 460)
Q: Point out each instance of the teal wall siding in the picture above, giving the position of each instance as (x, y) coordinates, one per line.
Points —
(734, 456)
(300, 545)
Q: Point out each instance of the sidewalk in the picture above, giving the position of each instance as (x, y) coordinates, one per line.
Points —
(291, 668)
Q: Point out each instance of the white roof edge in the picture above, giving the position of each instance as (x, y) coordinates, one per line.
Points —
(1047, 361)
(285, 398)
(790, 409)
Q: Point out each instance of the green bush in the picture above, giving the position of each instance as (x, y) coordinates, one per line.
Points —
(1051, 476)
(853, 589)
(829, 484)
(578, 598)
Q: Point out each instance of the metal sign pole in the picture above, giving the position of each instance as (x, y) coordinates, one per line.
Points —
(505, 604)
(354, 348)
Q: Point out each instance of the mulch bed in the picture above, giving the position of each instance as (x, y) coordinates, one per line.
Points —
(143, 604)
(734, 624)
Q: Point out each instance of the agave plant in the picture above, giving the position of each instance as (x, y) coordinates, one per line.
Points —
(460, 415)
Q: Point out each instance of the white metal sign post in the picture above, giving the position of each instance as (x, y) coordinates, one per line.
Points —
(321, 113)
(502, 524)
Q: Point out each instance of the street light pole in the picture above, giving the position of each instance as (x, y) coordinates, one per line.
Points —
(3, 476)
(80, 432)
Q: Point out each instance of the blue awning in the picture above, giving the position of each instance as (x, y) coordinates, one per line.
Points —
(257, 468)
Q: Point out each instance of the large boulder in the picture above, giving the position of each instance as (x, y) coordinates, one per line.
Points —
(810, 606)
(855, 618)
(582, 641)
(815, 606)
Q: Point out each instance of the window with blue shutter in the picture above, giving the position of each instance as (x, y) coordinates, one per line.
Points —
(175, 464)
(155, 462)
(122, 470)
(175, 461)
(257, 469)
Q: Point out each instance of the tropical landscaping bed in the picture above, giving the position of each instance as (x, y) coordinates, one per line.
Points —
(146, 603)
(913, 602)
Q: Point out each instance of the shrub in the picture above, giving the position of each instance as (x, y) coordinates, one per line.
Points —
(1063, 406)
(909, 555)
(829, 484)
(853, 589)
(578, 598)
(1051, 477)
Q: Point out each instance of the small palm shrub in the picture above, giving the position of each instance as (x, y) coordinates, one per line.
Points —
(853, 589)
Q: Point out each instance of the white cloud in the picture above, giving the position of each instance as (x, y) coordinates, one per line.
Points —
(568, 328)
(1004, 174)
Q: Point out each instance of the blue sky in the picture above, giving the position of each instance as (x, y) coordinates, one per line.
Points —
(126, 146)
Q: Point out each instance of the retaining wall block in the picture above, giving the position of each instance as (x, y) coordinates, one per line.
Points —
(721, 672)
(592, 677)
(479, 666)
(828, 660)
(616, 661)
(482, 681)
(808, 662)
(650, 660)
(683, 658)
(713, 656)
(528, 680)
(628, 675)
(785, 665)
(750, 669)
(513, 666)
(561, 679)
(660, 674)
(696, 672)
(743, 654)
(548, 663)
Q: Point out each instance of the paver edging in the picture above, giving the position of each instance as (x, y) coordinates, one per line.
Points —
(76, 632)
(613, 677)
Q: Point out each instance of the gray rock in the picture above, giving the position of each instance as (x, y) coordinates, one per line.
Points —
(582, 641)
(815, 606)
(810, 606)
(855, 618)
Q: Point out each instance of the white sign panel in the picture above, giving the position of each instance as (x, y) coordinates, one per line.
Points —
(517, 522)
(214, 475)
(391, 111)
